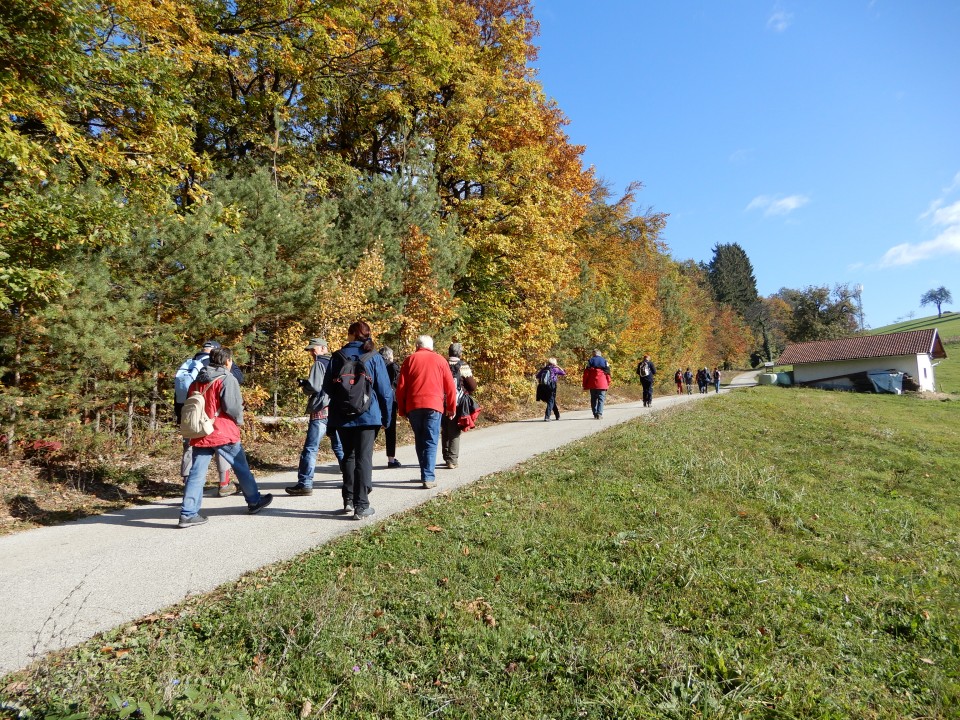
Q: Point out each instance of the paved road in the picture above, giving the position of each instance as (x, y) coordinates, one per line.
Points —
(61, 585)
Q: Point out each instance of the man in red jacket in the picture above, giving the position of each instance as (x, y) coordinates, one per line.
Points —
(425, 391)
(223, 403)
(596, 379)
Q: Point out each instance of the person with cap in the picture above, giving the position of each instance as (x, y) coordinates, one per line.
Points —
(317, 404)
(465, 382)
(425, 392)
(184, 377)
(223, 403)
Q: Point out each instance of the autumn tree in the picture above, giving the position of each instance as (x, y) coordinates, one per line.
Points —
(817, 313)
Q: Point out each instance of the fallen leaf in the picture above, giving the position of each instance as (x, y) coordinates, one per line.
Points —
(465, 551)
(414, 571)
(434, 528)
(306, 709)
(928, 661)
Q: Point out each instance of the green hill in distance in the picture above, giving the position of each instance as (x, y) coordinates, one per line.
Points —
(948, 326)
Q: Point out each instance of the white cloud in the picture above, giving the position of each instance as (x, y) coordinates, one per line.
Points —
(780, 20)
(778, 205)
(946, 243)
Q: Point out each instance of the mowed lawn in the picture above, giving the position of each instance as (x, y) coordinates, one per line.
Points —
(772, 553)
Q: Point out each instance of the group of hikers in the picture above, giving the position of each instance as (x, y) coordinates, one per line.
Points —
(595, 378)
(704, 377)
(352, 395)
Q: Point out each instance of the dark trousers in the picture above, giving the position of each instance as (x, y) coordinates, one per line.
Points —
(357, 463)
(647, 390)
(450, 439)
(552, 405)
(391, 434)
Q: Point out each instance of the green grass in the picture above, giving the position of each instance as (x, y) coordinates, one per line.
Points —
(775, 553)
(947, 326)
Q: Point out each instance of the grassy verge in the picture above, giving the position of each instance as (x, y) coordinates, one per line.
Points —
(772, 553)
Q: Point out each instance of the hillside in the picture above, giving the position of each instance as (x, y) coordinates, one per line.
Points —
(948, 326)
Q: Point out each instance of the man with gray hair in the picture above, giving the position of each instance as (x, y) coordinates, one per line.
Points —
(425, 391)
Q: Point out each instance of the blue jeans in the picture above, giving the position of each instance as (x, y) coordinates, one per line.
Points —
(233, 454)
(336, 445)
(426, 433)
(316, 429)
(597, 399)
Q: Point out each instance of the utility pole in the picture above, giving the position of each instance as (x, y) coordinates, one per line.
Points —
(858, 291)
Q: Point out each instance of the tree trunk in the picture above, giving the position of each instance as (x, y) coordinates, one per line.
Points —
(154, 397)
(130, 418)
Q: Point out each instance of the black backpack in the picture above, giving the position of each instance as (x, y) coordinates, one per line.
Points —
(351, 391)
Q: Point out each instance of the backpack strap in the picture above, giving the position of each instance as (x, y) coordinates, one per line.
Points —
(204, 392)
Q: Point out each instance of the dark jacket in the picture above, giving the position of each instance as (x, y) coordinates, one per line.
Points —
(378, 414)
(312, 385)
(653, 371)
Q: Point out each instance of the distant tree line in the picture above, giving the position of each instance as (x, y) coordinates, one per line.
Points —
(789, 315)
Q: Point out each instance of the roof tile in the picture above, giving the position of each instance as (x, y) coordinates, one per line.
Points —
(911, 342)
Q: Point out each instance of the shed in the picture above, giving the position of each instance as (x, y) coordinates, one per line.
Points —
(835, 363)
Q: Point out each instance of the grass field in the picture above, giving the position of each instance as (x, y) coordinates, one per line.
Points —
(774, 553)
(947, 326)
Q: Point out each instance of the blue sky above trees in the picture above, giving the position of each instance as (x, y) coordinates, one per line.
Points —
(820, 136)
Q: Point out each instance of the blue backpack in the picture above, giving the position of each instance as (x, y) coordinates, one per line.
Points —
(184, 378)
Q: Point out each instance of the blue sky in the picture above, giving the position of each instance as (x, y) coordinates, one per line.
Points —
(822, 136)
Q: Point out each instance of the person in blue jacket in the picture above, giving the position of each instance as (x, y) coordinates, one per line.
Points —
(358, 434)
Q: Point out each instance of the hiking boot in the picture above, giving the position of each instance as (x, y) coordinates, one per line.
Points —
(429, 485)
(451, 465)
(258, 506)
(192, 521)
(228, 489)
(393, 463)
(364, 513)
(298, 490)
(348, 508)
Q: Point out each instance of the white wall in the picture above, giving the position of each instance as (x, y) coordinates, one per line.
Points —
(919, 367)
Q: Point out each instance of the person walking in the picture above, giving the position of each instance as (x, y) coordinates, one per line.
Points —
(425, 392)
(706, 380)
(678, 379)
(317, 411)
(716, 379)
(596, 379)
(186, 374)
(547, 377)
(646, 370)
(393, 371)
(359, 368)
(222, 403)
(688, 380)
(465, 383)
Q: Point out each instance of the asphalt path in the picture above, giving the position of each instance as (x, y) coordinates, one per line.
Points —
(63, 584)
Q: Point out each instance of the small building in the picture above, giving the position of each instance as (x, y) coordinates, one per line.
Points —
(846, 363)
